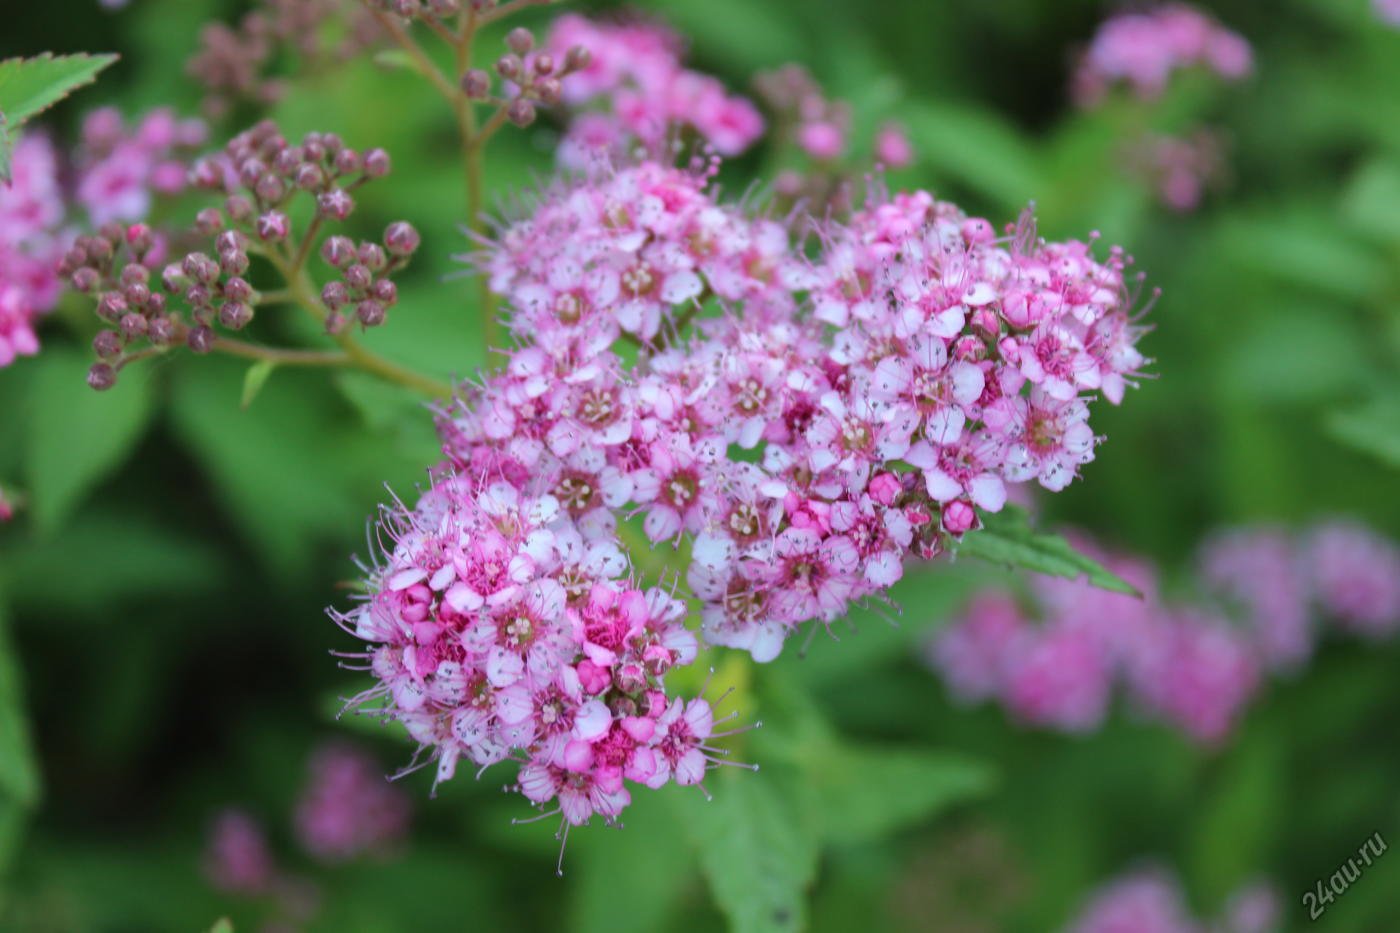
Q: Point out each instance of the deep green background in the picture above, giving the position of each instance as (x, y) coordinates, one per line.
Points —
(165, 588)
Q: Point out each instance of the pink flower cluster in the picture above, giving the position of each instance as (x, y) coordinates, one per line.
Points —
(1143, 48)
(824, 420)
(348, 808)
(116, 174)
(31, 242)
(1195, 667)
(634, 67)
(120, 170)
(1179, 169)
(821, 127)
(1150, 900)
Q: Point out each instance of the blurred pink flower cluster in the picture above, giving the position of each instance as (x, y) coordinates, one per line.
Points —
(634, 70)
(1150, 900)
(347, 810)
(1180, 169)
(1142, 49)
(883, 391)
(820, 127)
(115, 173)
(1193, 666)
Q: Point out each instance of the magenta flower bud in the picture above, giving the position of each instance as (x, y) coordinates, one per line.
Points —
(884, 488)
(520, 40)
(508, 67)
(408, 9)
(250, 171)
(310, 177)
(207, 175)
(577, 58)
(372, 255)
(201, 339)
(101, 377)
(358, 277)
(99, 250)
(161, 330)
(230, 241)
(134, 272)
(239, 208)
(401, 239)
(156, 303)
(443, 8)
(200, 268)
(385, 292)
(548, 90)
(137, 294)
(233, 263)
(959, 517)
(273, 227)
(288, 161)
(543, 64)
(333, 143)
(521, 112)
(111, 306)
(237, 289)
(348, 162)
(338, 251)
(197, 296)
(270, 188)
(630, 678)
(370, 313)
(133, 325)
(593, 677)
(312, 149)
(335, 323)
(209, 221)
(235, 315)
(139, 238)
(107, 344)
(657, 659)
(86, 279)
(476, 84)
(978, 230)
(335, 296)
(335, 204)
(172, 277)
(376, 163)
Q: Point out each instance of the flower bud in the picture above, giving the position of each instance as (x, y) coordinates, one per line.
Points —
(201, 339)
(521, 112)
(548, 90)
(233, 262)
(338, 251)
(334, 204)
(310, 177)
(101, 377)
(209, 221)
(230, 241)
(235, 315)
(239, 208)
(133, 325)
(370, 313)
(237, 289)
(270, 188)
(385, 292)
(401, 239)
(335, 323)
(107, 344)
(273, 227)
(172, 278)
(335, 296)
(136, 294)
(543, 64)
(161, 330)
(372, 255)
(576, 59)
(959, 517)
(443, 8)
(348, 162)
(86, 279)
(376, 163)
(139, 238)
(358, 277)
(111, 306)
(476, 84)
(508, 67)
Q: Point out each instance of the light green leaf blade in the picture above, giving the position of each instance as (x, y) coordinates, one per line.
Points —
(1372, 428)
(253, 381)
(756, 851)
(1009, 539)
(29, 86)
(77, 436)
(866, 792)
(977, 149)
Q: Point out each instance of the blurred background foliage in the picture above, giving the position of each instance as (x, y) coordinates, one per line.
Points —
(162, 642)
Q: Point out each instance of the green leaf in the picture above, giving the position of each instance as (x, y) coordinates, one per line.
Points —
(19, 775)
(77, 436)
(29, 86)
(222, 925)
(976, 149)
(1373, 428)
(1008, 539)
(866, 792)
(756, 851)
(254, 379)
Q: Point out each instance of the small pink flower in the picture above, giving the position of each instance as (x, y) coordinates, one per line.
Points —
(237, 858)
(892, 147)
(822, 140)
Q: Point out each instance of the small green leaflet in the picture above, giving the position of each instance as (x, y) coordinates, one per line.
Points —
(254, 379)
(1007, 538)
(29, 86)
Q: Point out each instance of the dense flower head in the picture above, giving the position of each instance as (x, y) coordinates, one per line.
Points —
(31, 214)
(634, 70)
(807, 412)
(1150, 899)
(122, 168)
(348, 808)
(1143, 48)
(1053, 658)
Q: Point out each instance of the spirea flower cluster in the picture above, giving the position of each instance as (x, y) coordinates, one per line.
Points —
(115, 175)
(1143, 48)
(805, 424)
(1194, 666)
(634, 71)
(1150, 900)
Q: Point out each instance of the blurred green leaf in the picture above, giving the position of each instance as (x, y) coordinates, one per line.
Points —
(222, 925)
(1303, 246)
(1301, 355)
(976, 148)
(756, 850)
(19, 775)
(29, 86)
(253, 381)
(1372, 428)
(1371, 203)
(77, 436)
(866, 792)
(1007, 538)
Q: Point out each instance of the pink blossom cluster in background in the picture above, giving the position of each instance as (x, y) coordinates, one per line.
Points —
(635, 72)
(821, 127)
(1143, 48)
(116, 172)
(1179, 169)
(885, 390)
(348, 808)
(1388, 11)
(1150, 900)
(1193, 666)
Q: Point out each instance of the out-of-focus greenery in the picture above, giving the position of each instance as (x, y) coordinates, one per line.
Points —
(162, 643)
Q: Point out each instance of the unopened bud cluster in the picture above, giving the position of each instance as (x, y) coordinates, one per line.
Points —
(530, 77)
